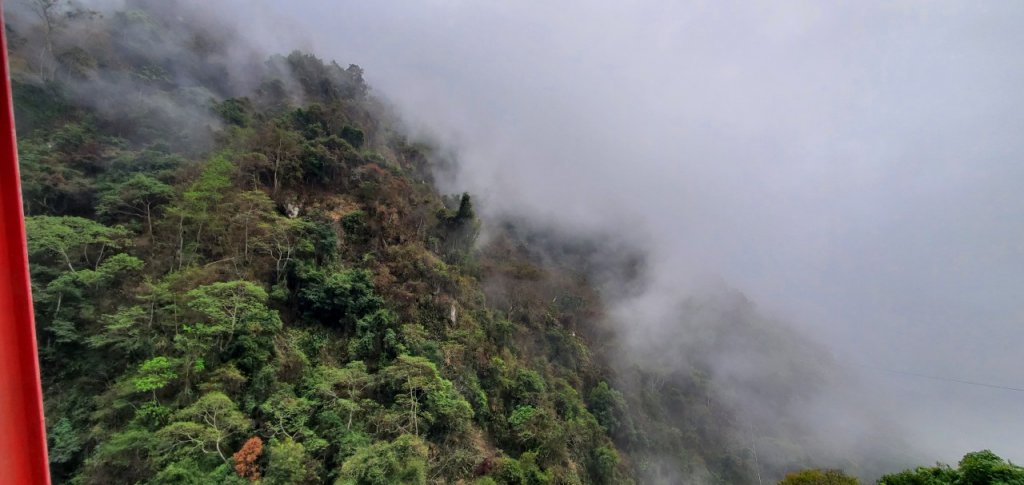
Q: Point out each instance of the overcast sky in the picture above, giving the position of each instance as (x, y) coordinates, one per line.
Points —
(856, 167)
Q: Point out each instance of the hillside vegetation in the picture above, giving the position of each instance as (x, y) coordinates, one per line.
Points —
(244, 271)
(268, 286)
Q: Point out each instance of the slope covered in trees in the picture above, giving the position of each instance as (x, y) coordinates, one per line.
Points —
(261, 282)
(244, 271)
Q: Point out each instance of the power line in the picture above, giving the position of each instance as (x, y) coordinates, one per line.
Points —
(945, 379)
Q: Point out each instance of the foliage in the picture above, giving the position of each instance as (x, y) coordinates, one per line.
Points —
(236, 285)
(337, 297)
(227, 308)
(376, 336)
(64, 442)
(977, 468)
(608, 406)
(427, 402)
(246, 457)
(136, 197)
(154, 374)
(818, 477)
(208, 426)
(403, 460)
(287, 462)
(73, 240)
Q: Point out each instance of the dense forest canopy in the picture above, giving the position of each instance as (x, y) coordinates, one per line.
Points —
(243, 271)
(240, 283)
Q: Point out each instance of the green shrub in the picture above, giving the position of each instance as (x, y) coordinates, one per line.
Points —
(403, 460)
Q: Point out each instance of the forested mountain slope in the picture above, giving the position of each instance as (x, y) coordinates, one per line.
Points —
(244, 271)
(240, 281)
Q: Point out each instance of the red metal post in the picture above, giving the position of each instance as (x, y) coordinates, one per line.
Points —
(22, 430)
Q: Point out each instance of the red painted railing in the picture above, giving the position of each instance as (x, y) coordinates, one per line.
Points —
(22, 430)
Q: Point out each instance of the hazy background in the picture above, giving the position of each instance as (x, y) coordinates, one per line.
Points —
(854, 167)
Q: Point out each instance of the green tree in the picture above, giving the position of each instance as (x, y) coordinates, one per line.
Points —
(288, 415)
(281, 149)
(50, 182)
(231, 318)
(226, 308)
(606, 461)
(403, 460)
(154, 374)
(936, 475)
(73, 240)
(195, 213)
(343, 387)
(977, 468)
(608, 406)
(208, 426)
(288, 463)
(354, 136)
(818, 477)
(376, 337)
(252, 217)
(334, 297)
(67, 303)
(138, 196)
(984, 467)
(236, 111)
(127, 456)
(64, 442)
(283, 240)
(427, 401)
(125, 331)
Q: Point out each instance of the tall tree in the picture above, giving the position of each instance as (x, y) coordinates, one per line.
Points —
(343, 387)
(225, 308)
(74, 240)
(138, 197)
(208, 426)
(281, 149)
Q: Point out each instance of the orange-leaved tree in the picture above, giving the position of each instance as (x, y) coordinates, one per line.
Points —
(246, 457)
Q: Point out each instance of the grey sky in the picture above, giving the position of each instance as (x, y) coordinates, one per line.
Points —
(856, 167)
